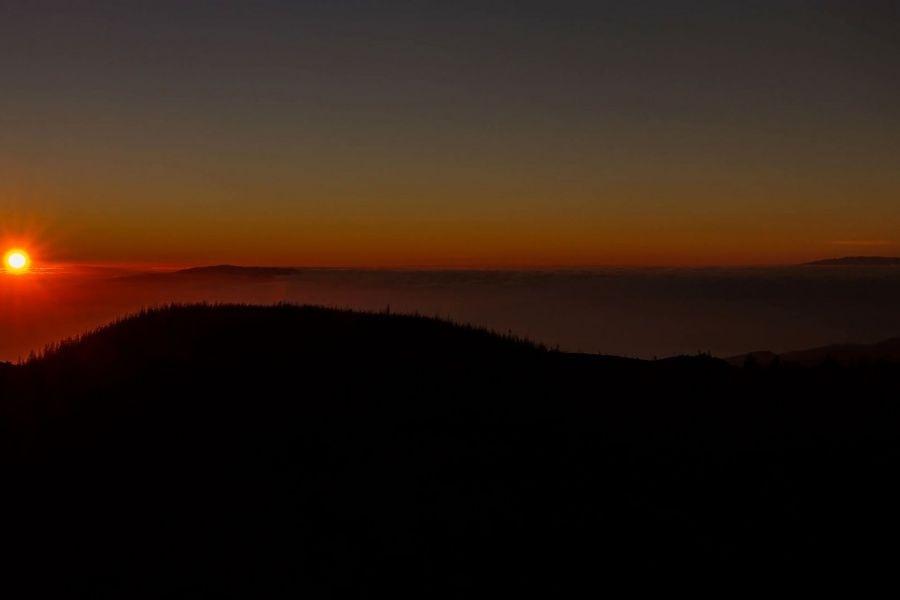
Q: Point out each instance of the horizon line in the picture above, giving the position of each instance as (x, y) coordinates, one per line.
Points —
(187, 265)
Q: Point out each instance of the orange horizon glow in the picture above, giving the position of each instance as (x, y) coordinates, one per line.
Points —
(447, 241)
(73, 268)
(456, 247)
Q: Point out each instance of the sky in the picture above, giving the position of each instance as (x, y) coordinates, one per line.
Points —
(456, 134)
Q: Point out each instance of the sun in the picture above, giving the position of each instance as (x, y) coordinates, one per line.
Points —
(16, 260)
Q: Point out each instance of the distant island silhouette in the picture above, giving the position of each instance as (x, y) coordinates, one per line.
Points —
(843, 354)
(861, 261)
(239, 270)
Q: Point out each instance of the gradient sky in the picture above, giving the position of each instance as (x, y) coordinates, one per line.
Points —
(450, 133)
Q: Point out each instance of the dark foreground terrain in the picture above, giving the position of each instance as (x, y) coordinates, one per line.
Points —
(266, 452)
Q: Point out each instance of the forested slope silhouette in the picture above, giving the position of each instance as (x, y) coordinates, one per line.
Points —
(200, 451)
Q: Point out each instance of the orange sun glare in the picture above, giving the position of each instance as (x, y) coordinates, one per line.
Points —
(16, 261)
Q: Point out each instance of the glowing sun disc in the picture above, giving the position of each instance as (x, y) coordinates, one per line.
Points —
(16, 260)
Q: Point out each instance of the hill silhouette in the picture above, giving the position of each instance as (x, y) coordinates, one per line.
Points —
(246, 451)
